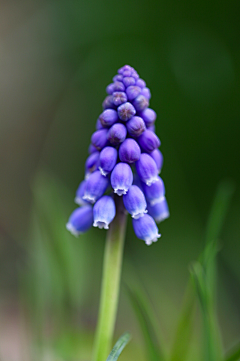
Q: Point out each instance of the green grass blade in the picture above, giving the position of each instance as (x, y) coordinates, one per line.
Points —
(219, 210)
(204, 273)
(183, 333)
(118, 347)
(143, 314)
(234, 355)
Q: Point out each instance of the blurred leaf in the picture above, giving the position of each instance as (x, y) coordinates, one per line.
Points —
(56, 275)
(204, 273)
(234, 355)
(118, 347)
(143, 312)
(184, 328)
(219, 210)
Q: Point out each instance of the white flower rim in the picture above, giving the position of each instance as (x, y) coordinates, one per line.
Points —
(139, 214)
(101, 224)
(150, 240)
(89, 198)
(73, 230)
(151, 180)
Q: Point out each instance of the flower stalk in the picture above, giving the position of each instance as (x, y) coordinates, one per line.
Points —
(112, 265)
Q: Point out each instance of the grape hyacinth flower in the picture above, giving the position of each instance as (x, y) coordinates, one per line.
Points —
(125, 146)
(121, 176)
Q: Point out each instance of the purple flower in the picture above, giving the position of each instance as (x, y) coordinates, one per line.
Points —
(104, 211)
(108, 102)
(121, 178)
(80, 193)
(80, 220)
(125, 68)
(91, 149)
(158, 157)
(155, 192)
(91, 163)
(146, 93)
(108, 117)
(133, 91)
(124, 129)
(129, 151)
(99, 139)
(126, 111)
(135, 126)
(148, 141)
(149, 116)
(119, 86)
(134, 202)
(118, 77)
(147, 169)
(128, 80)
(95, 187)
(110, 88)
(159, 211)
(107, 160)
(99, 125)
(146, 229)
(117, 134)
(141, 83)
(119, 98)
(140, 103)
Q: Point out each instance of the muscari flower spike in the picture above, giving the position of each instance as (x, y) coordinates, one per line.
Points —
(123, 159)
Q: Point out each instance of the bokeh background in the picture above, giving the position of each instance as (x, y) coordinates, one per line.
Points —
(56, 59)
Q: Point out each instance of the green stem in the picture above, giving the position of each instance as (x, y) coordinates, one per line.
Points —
(112, 265)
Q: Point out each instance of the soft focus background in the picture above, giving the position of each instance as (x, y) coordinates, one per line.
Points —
(56, 58)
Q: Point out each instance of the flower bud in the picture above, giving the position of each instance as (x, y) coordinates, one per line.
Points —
(148, 141)
(133, 91)
(107, 160)
(119, 98)
(124, 68)
(152, 128)
(158, 157)
(128, 80)
(147, 169)
(121, 178)
(99, 125)
(135, 75)
(119, 86)
(146, 93)
(91, 149)
(80, 220)
(135, 126)
(80, 193)
(108, 102)
(99, 139)
(159, 211)
(129, 151)
(110, 88)
(126, 111)
(104, 211)
(108, 117)
(126, 73)
(95, 187)
(134, 202)
(140, 103)
(91, 164)
(118, 77)
(149, 116)
(155, 192)
(141, 83)
(146, 229)
(117, 134)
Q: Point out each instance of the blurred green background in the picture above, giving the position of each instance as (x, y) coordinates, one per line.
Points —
(56, 58)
